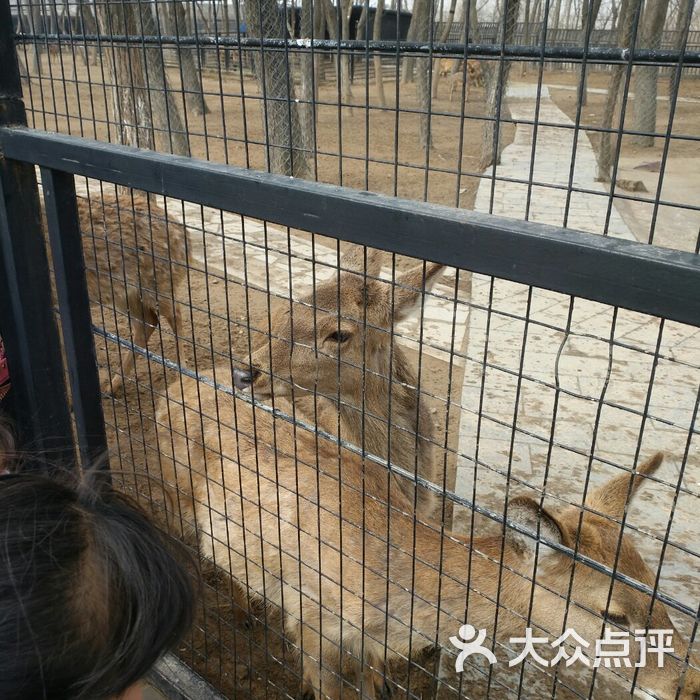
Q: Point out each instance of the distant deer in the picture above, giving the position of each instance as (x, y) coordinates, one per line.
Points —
(337, 542)
(134, 261)
(328, 354)
(452, 68)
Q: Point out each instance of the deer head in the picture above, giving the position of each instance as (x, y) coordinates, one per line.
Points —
(337, 338)
(595, 599)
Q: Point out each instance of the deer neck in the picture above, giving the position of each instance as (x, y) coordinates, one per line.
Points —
(386, 415)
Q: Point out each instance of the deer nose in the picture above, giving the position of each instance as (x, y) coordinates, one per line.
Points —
(243, 378)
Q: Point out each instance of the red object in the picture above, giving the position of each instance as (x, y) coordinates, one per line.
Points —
(4, 373)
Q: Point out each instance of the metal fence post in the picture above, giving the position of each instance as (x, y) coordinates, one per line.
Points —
(37, 403)
(74, 305)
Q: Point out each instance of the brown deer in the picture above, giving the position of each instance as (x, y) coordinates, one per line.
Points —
(380, 408)
(452, 68)
(303, 523)
(134, 259)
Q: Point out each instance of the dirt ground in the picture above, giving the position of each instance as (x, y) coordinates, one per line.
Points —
(361, 144)
(244, 655)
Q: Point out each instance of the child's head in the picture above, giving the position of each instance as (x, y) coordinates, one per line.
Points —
(91, 593)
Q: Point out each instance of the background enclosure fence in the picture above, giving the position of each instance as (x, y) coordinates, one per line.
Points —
(469, 318)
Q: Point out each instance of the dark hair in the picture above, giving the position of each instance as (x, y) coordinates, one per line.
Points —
(91, 592)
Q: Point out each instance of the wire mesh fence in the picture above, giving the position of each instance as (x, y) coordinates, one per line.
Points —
(372, 451)
(388, 109)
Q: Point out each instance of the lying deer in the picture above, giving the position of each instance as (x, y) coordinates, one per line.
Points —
(318, 531)
(134, 261)
(452, 67)
(328, 355)
(327, 536)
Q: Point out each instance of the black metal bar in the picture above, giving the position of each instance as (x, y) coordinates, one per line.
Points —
(649, 279)
(74, 306)
(596, 54)
(38, 403)
(179, 682)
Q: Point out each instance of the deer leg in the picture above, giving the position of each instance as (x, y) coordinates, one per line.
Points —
(144, 321)
(321, 669)
(173, 315)
(375, 684)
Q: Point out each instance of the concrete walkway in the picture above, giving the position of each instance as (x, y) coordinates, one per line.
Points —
(553, 156)
(529, 382)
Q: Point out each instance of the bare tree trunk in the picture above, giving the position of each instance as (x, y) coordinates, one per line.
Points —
(319, 58)
(613, 19)
(170, 128)
(646, 77)
(628, 12)
(411, 35)
(226, 32)
(423, 90)
(526, 37)
(126, 66)
(557, 15)
(535, 22)
(496, 86)
(683, 18)
(443, 38)
(361, 29)
(280, 110)
(417, 31)
(331, 18)
(569, 7)
(474, 33)
(345, 70)
(306, 107)
(88, 25)
(420, 24)
(377, 35)
(37, 27)
(191, 78)
(587, 26)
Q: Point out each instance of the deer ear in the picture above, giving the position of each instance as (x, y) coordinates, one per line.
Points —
(409, 287)
(526, 512)
(611, 498)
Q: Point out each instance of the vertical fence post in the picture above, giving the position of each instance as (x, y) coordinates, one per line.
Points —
(37, 401)
(74, 305)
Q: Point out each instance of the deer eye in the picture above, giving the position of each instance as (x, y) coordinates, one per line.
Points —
(616, 618)
(339, 336)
